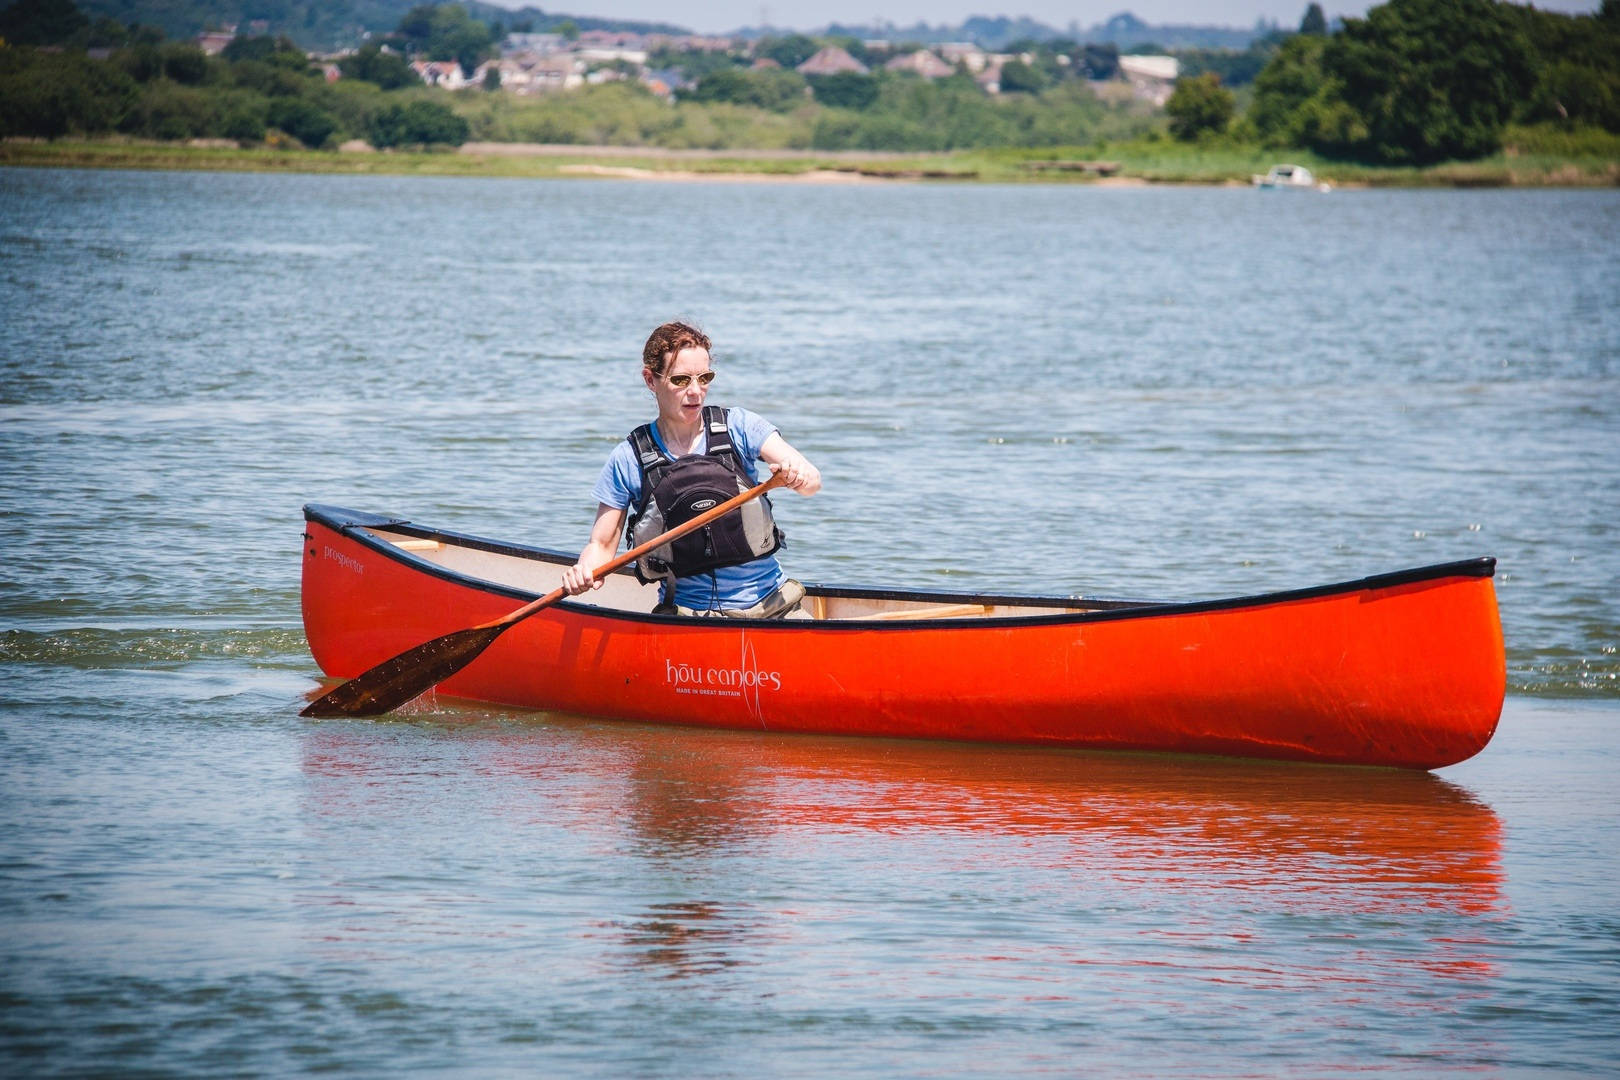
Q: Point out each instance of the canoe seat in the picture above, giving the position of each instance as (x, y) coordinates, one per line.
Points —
(418, 545)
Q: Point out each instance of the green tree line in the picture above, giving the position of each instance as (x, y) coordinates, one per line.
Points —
(61, 74)
(902, 111)
(1413, 82)
(330, 24)
(106, 78)
(1417, 82)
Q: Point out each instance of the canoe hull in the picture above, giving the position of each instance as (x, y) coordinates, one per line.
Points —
(1408, 673)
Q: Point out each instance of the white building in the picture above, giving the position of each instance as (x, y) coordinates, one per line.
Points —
(531, 73)
(1152, 78)
(539, 44)
(922, 62)
(638, 57)
(445, 74)
(964, 52)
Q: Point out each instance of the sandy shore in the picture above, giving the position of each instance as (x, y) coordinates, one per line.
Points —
(809, 176)
(495, 149)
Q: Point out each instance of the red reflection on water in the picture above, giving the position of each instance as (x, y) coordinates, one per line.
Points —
(1300, 831)
(1214, 844)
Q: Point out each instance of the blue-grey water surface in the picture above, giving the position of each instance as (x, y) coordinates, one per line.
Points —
(1175, 393)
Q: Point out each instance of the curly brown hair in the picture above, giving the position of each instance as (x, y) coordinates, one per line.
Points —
(668, 340)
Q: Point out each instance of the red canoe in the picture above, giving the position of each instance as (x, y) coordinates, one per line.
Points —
(1402, 669)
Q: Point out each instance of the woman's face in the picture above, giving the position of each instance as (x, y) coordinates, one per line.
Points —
(683, 404)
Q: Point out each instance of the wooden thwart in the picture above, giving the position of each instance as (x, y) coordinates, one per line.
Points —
(938, 611)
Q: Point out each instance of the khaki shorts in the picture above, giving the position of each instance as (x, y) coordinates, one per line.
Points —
(778, 604)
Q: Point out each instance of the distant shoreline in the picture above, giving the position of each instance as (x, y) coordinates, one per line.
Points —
(1128, 165)
(522, 150)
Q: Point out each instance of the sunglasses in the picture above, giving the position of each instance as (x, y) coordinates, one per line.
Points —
(681, 382)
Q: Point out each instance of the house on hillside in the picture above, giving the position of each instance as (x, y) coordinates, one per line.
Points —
(533, 73)
(963, 52)
(922, 62)
(633, 57)
(688, 43)
(989, 76)
(213, 42)
(539, 44)
(831, 61)
(611, 39)
(663, 83)
(445, 74)
(1152, 78)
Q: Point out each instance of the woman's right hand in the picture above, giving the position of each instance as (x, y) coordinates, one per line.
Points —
(577, 579)
(598, 551)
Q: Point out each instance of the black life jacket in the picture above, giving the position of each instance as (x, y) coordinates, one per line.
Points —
(674, 492)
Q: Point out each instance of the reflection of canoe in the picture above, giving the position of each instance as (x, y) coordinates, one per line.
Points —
(1402, 669)
(1285, 838)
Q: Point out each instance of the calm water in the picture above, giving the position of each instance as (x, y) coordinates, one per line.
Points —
(1174, 393)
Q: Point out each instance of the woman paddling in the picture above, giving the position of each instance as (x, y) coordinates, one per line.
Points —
(689, 459)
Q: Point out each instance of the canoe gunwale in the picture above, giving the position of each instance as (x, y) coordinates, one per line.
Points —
(355, 524)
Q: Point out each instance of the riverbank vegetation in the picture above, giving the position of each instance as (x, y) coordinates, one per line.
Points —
(1532, 157)
(1510, 95)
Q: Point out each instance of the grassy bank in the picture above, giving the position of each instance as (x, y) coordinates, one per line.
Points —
(1531, 158)
(542, 162)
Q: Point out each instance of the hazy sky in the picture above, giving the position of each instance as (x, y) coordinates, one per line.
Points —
(714, 16)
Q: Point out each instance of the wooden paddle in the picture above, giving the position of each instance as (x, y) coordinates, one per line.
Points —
(394, 682)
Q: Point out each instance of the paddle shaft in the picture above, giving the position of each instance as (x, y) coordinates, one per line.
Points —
(775, 480)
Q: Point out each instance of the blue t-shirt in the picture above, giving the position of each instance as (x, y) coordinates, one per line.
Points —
(738, 586)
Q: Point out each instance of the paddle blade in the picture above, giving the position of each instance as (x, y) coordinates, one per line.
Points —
(392, 683)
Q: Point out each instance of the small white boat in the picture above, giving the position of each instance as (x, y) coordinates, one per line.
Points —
(1290, 177)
